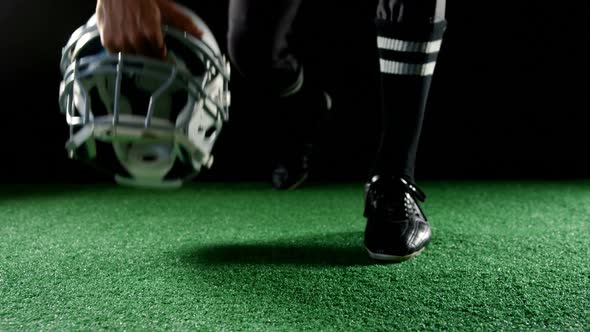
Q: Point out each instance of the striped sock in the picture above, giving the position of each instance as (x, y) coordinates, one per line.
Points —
(407, 56)
(409, 50)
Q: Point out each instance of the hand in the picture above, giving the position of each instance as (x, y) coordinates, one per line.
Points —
(135, 26)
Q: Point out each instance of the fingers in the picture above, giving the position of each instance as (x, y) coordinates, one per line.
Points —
(131, 27)
(107, 38)
(149, 39)
(175, 17)
(139, 44)
(135, 26)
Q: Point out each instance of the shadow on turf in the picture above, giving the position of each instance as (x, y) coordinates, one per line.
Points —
(338, 249)
(30, 191)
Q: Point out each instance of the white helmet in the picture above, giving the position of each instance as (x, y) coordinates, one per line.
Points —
(160, 118)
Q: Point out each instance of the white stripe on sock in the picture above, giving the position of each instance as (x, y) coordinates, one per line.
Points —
(409, 46)
(402, 68)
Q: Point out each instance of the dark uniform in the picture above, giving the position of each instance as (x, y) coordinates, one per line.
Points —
(259, 46)
(409, 37)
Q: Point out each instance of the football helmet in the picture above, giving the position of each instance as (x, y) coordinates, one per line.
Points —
(158, 119)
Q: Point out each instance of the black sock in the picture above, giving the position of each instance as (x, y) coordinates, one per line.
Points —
(407, 55)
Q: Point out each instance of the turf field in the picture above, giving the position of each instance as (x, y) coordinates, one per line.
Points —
(505, 256)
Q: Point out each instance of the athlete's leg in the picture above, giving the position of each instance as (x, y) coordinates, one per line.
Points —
(258, 43)
(409, 38)
(260, 46)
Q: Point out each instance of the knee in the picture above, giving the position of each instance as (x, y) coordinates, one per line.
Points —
(250, 52)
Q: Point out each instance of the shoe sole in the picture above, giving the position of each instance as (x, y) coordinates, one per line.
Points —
(298, 183)
(393, 258)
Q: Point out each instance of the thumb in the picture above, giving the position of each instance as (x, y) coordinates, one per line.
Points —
(175, 17)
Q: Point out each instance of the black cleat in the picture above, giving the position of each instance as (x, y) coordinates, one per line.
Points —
(292, 169)
(397, 229)
(295, 140)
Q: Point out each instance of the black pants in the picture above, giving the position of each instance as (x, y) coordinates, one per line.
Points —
(408, 37)
(260, 32)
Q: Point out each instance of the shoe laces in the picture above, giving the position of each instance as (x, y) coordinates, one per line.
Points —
(387, 195)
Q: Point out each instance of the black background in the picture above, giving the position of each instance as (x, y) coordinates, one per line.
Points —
(509, 99)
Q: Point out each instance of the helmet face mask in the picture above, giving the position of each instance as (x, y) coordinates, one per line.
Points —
(154, 113)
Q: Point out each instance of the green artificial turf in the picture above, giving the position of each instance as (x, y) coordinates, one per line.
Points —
(505, 255)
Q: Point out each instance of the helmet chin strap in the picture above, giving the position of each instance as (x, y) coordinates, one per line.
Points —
(148, 163)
